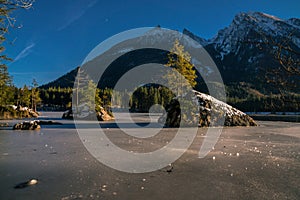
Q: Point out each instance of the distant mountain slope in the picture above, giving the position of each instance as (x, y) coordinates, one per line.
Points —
(234, 50)
(64, 81)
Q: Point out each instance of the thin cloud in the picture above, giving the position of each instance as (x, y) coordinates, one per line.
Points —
(25, 52)
(77, 16)
(91, 4)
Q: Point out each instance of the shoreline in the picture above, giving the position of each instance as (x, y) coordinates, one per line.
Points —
(274, 117)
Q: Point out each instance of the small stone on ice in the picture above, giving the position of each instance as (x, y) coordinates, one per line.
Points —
(32, 182)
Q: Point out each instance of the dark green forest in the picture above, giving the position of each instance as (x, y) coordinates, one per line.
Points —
(247, 100)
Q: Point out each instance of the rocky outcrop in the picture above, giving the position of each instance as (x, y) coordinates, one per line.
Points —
(172, 117)
(221, 112)
(68, 114)
(101, 114)
(33, 125)
(212, 112)
(17, 112)
(27, 125)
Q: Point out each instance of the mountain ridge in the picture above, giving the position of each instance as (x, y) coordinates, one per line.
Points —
(234, 48)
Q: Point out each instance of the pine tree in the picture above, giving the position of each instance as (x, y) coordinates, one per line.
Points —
(24, 96)
(180, 60)
(7, 21)
(5, 84)
(35, 95)
(181, 82)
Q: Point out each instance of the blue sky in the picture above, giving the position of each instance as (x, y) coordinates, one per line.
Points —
(56, 35)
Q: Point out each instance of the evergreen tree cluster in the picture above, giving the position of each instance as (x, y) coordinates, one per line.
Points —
(147, 96)
(56, 99)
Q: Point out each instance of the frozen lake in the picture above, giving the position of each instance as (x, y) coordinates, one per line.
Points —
(247, 163)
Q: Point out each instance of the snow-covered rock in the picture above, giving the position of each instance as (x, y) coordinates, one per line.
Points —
(217, 113)
(27, 125)
(212, 112)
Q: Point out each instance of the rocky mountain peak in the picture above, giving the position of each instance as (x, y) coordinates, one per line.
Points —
(255, 26)
(202, 41)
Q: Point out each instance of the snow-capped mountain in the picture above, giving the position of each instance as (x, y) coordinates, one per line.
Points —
(244, 27)
(249, 26)
(236, 49)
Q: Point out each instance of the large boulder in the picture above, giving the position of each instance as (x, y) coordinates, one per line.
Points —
(212, 112)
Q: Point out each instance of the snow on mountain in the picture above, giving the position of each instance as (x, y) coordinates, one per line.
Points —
(237, 59)
(246, 26)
